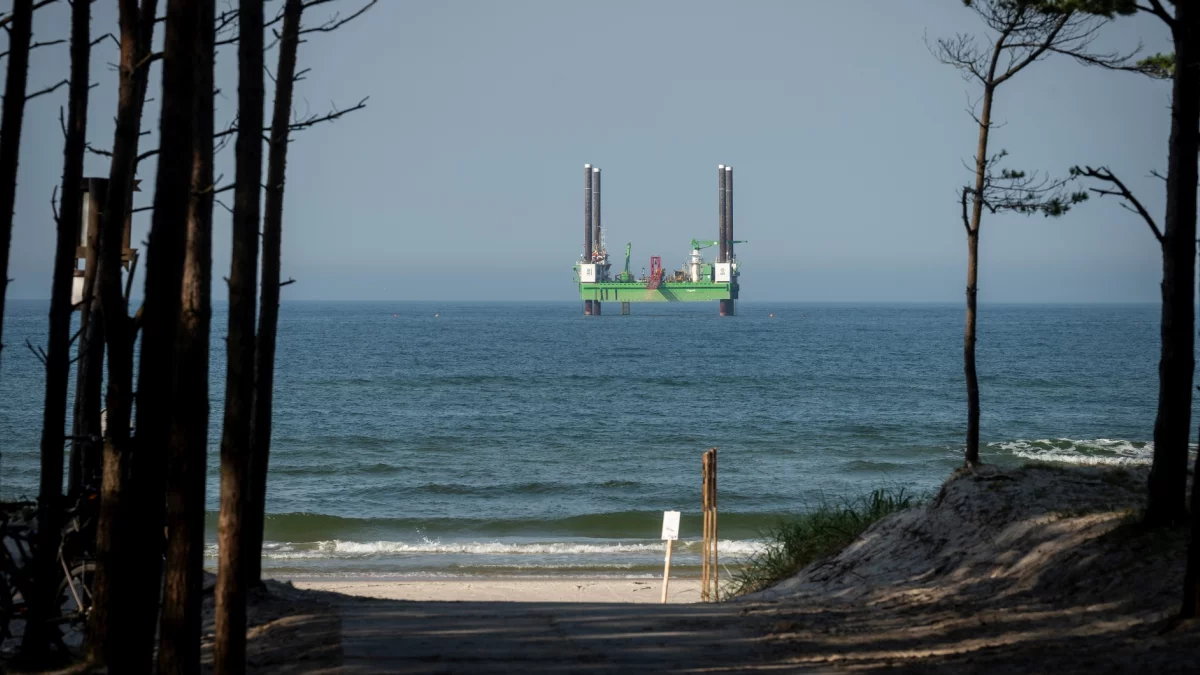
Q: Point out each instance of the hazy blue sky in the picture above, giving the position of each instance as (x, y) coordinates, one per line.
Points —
(462, 179)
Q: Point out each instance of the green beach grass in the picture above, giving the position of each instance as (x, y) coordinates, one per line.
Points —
(820, 533)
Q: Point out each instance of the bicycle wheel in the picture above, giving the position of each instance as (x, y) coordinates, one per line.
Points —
(75, 603)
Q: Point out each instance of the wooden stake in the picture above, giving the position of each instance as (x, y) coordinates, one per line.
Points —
(712, 501)
(667, 572)
(704, 532)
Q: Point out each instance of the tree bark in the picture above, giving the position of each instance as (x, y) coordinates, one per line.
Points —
(268, 318)
(20, 29)
(58, 358)
(230, 642)
(85, 451)
(116, 636)
(1185, 115)
(1172, 425)
(179, 641)
(164, 282)
(972, 450)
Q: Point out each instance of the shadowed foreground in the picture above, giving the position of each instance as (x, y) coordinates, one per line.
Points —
(1038, 569)
(485, 637)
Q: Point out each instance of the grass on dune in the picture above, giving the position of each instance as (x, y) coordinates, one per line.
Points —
(794, 543)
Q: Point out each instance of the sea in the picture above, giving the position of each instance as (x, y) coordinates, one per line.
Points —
(443, 439)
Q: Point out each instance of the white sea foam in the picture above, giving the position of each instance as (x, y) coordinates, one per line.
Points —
(338, 549)
(1093, 452)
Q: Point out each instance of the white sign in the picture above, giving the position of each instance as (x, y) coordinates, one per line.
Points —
(670, 526)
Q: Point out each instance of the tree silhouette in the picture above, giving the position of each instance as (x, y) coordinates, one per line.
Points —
(1022, 33)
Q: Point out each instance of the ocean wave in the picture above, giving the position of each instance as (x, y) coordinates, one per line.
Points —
(614, 525)
(1091, 452)
(338, 549)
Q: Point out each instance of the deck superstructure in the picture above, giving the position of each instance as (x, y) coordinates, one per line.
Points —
(698, 280)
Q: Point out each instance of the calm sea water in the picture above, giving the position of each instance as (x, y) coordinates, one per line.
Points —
(424, 439)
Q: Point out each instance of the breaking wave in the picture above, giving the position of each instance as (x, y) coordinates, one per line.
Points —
(348, 550)
(1094, 452)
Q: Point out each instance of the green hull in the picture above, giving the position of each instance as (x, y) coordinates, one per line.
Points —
(616, 291)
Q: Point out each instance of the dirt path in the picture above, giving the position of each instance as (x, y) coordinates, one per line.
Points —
(388, 636)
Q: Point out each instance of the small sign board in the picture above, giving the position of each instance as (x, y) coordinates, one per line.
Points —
(670, 531)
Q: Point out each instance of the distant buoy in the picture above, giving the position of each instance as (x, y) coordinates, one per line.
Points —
(395, 315)
(436, 315)
(772, 315)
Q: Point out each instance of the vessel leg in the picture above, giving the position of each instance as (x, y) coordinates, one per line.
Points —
(729, 308)
(596, 308)
(724, 308)
(624, 309)
(587, 307)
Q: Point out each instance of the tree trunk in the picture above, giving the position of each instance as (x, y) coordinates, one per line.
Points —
(268, 317)
(230, 642)
(179, 641)
(972, 451)
(1185, 113)
(85, 451)
(19, 32)
(1172, 426)
(1191, 575)
(58, 358)
(115, 635)
(164, 282)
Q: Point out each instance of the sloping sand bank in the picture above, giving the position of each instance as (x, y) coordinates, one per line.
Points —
(1040, 569)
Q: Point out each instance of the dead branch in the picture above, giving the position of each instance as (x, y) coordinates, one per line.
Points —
(963, 195)
(7, 18)
(37, 351)
(97, 151)
(35, 46)
(106, 36)
(334, 22)
(1133, 205)
(287, 283)
(47, 90)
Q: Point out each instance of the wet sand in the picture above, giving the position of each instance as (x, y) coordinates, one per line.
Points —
(510, 589)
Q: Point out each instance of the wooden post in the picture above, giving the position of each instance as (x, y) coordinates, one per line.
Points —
(709, 575)
(704, 533)
(712, 501)
(667, 571)
(670, 533)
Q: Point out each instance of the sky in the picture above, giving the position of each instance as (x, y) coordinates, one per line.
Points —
(462, 179)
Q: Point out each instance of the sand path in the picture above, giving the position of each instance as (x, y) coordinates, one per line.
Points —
(388, 636)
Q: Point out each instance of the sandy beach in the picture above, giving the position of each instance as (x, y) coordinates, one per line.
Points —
(510, 589)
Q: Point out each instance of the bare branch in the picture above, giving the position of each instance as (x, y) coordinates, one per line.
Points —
(35, 46)
(966, 222)
(53, 206)
(1104, 174)
(334, 22)
(1156, 8)
(7, 18)
(47, 90)
(287, 283)
(98, 151)
(37, 351)
(310, 121)
(1034, 54)
(106, 36)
